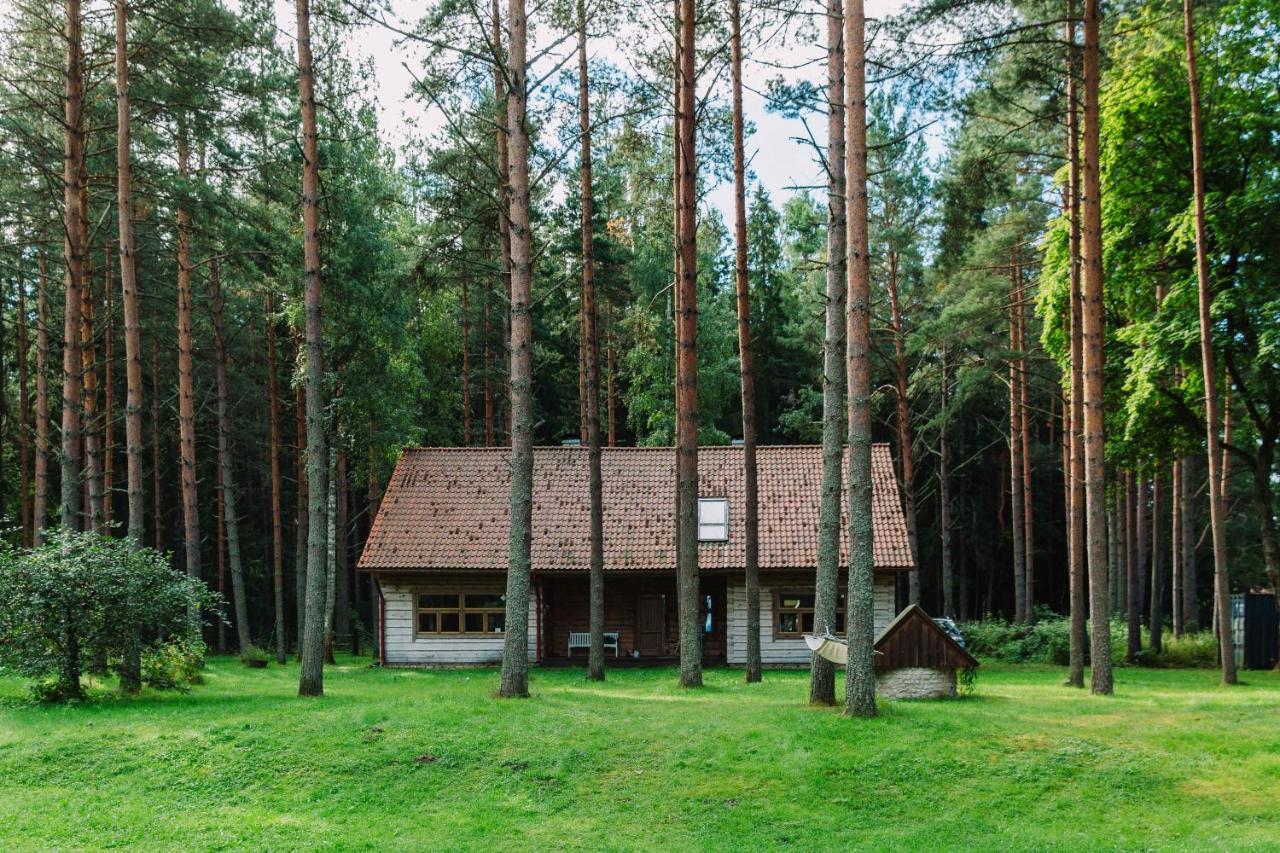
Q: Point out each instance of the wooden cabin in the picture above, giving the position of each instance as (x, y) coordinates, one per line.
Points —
(916, 659)
(438, 553)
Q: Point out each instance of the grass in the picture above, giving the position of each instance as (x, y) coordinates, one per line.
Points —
(401, 759)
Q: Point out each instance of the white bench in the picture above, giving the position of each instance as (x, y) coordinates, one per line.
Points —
(582, 640)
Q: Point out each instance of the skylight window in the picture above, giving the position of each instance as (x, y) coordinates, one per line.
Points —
(713, 519)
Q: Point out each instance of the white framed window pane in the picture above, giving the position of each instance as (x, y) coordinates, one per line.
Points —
(713, 511)
(711, 532)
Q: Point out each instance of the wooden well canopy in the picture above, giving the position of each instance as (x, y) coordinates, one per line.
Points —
(913, 639)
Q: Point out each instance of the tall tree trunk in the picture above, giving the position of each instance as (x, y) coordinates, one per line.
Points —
(301, 532)
(74, 251)
(157, 508)
(687, 379)
(944, 494)
(1175, 549)
(90, 422)
(1190, 602)
(330, 572)
(504, 212)
(1136, 531)
(515, 652)
(311, 679)
(1155, 610)
(108, 403)
(1092, 327)
(860, 679)
(24, 412)
(277, 483)
(595, 662)
(903, 424)
(1016, 496)
(129, 284)
(488, 376)
(40, 498)
(1028, 531)
(230, 516)
(220, 553)
(1217, 508)
(1076, 566)
(822, 676)
(341, 526)
(466, 362)
(609, 393)
(751, 513)
(186, 388)
(1142, 535)
(375, 499)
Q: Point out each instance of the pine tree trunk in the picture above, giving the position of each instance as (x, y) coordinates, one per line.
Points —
(90, 422)
(129, 284)
(157, 508)
(277, 484)
(751, 512)
(1175, 549)
(1190, 601)
(40, 498)
(341, 526)
(24, 413)
(1155, 609)
(1136, 533)
(860, 681)
(74, 251)
(902, 422)
(1092, 328)
(466, 363)
(1016, 496)
(944, 495)
(609, 392)
(687, 377)
(504, 217)
(1028, 532)
(230, 516)
(108, 403)
(822, 675)
(186, 389)
(331, 553)
(1076, 566)
(301, 533)
(311, 679)
(1142, 533)
(515, 652)
(595, 661)
(220, 553)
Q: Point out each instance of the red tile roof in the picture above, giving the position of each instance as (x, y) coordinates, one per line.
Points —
(446, 508)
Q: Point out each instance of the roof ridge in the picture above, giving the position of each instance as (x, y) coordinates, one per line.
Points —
(573, 448)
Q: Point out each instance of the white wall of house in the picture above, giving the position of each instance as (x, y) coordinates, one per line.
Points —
(787, 651)
(405, 648)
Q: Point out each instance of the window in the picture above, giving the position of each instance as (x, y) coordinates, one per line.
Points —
(713, 519)
(793, 614)
(461, 613)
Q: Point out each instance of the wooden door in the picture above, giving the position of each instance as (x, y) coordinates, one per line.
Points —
(651, 625)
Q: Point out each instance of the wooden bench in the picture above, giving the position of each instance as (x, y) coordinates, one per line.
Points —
(582, 640)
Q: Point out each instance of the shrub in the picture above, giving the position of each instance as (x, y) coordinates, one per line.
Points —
(173, 665)
(254, 657)
(83, 594)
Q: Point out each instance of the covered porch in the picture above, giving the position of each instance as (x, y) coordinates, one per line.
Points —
(639, 607)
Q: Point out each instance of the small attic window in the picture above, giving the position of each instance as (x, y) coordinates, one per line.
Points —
(713, 519)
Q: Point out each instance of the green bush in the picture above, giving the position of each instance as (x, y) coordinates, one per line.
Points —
(175, 665)
(254, 657)
(1049, 642)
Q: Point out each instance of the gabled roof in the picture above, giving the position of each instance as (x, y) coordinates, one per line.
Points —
(913, 639)
(447, 508)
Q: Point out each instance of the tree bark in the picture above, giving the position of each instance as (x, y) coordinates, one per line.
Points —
(595, 662)
(220, 554)
(331, 553)
(277, 483)
(157, 511)
(1076, 566)
(1028, 527)
(903, 424)
(230, 516)
(301, 532)
(24, 412)
(504, 211)
(944, 495)
(186, 387)
(751, 513)
(822, 677)
(687, 377)
(40, 498)
(108, 403)
(1092, 319)
(311, 678)
(860, 680)
(515, 652)
(466, 362)
(1155, 609)
(1190, 601)
(90, 419)
(1016, 496)
(1136, 531)
(74, 251)
(1175, 549)
(129, 284)
(342, 566)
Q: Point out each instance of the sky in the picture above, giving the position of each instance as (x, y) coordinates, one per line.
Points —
(780, 162)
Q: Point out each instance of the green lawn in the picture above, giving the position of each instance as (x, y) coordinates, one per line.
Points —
(411, 759)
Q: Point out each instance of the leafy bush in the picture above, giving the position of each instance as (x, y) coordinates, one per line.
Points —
(254, 657)
(1049, 642)
(174, 665)
(83, 594)
(1190, 651)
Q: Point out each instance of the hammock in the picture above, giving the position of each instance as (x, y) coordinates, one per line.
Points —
(829, 647)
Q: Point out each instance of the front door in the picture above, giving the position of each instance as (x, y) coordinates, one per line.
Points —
(651, 625)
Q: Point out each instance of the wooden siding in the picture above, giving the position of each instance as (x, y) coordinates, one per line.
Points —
(403, 648)
(915, 641)
(788, 651)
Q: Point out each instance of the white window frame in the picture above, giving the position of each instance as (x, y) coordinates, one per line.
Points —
(715, 531)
